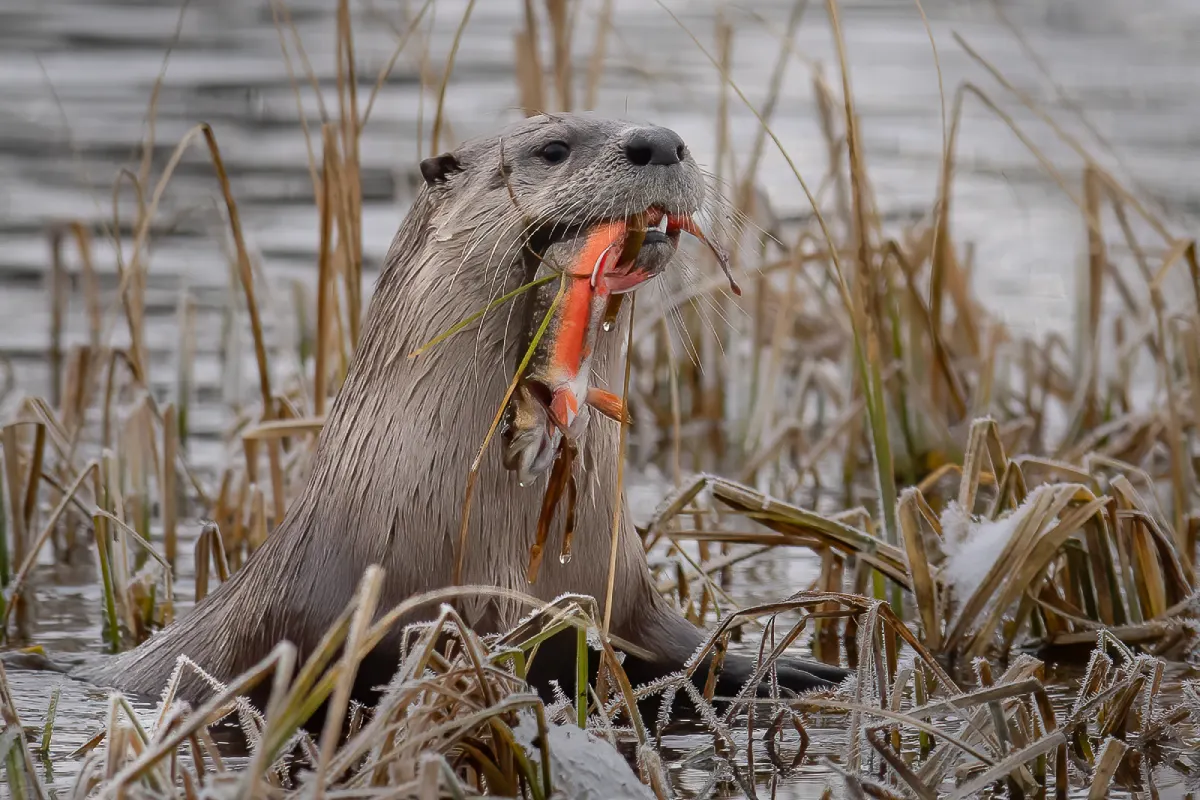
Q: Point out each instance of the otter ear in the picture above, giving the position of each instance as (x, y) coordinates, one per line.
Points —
(435, 169)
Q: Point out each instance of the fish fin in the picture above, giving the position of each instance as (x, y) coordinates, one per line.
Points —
(609, 405)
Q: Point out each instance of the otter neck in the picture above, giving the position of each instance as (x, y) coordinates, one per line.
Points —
(391, 467)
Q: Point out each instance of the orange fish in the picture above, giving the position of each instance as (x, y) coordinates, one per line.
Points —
(599, 264)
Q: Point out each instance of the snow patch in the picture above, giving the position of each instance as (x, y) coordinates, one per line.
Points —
(972, 546)
(582, 765)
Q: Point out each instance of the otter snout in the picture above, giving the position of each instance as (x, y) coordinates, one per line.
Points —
(654, 146)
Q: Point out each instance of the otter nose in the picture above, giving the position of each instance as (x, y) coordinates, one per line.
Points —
(654, 145)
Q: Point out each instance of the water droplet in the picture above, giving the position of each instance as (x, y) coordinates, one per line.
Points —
(564, 558)
(521, 484)
(608, 326)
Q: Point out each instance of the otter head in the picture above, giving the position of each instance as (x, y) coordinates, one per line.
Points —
(573, 170)
(598, 204)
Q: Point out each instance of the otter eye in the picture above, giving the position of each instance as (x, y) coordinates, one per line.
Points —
(555, 152)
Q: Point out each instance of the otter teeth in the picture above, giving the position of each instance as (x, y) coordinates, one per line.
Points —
(661, 227)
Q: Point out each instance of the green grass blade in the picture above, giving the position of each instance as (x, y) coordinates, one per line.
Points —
(581, 677)
(48, 728)
(499, 301)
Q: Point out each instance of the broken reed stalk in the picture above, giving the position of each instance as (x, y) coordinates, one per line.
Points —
(210, 549)
(185, 372)
(260, 350)
(58, 309)
(33, 479)
(348, 194)
(16, 516)
(324, 272)
(5, 567)
(91, 286)
(169, 487)
(349, 177)
(112, 624)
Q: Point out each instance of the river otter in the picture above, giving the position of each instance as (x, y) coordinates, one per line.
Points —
(390, 466)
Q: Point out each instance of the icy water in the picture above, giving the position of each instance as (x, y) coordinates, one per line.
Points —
(75, 78)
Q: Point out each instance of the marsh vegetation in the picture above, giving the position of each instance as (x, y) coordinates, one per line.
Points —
(974, 497)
